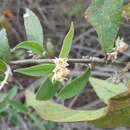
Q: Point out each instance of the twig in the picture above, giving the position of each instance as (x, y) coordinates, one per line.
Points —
(5, 80)
(73, 102)
(88, 60)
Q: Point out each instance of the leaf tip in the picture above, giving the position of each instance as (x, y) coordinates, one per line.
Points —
(72, 26)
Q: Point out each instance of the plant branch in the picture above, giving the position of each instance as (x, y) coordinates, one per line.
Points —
(89, 60)
(7, 75)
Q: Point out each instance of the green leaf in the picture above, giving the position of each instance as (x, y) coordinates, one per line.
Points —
(67, 43)
(18, 106)
(4, 47)
(5, 97)
(33, 46)
(11, 93)
(119, 101)
(37, 70)
(106, 17)
(13, 118)
(76, 86)
(2, 96)
(118, 112)
(103, 117)
(55, 112)
(105, 89)
(33, 27)
(3, 107)
(37, 121)
(47, 90)
(2, 66)
(1, 77)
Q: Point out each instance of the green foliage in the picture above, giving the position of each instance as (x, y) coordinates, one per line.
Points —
(54, 112)
(76, 86)
(4, 47)
(11, 93)
(19, 107)
(2, 66)
(37, 121)
(47, 90)
(106, 90)
(67, 43)
(33, 27)
(37, 70)
(13, 118)
(116, 114)
(106, 17)
(1, 77)
(20, 54)
(32, 46)
(5, 97)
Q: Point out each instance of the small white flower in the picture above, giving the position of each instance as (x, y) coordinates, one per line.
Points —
(60, 71)
(121, 46)
(112, 56)
(61, 62)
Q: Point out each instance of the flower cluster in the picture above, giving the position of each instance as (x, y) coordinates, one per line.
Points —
(120, 47)
(61, 71)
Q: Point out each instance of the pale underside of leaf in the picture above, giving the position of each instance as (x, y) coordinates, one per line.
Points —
(105, 89)
(103, 117)
(105, 16)
(51, 111)
(4, 46)
(33, 27)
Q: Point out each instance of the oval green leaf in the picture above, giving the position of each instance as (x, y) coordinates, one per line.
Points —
(54, 112)
(105, 89)
(37, 70)
(47, 90)
(33, 27)
(103, 117)
(32, 46)
(106, 17)
(76, 86)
